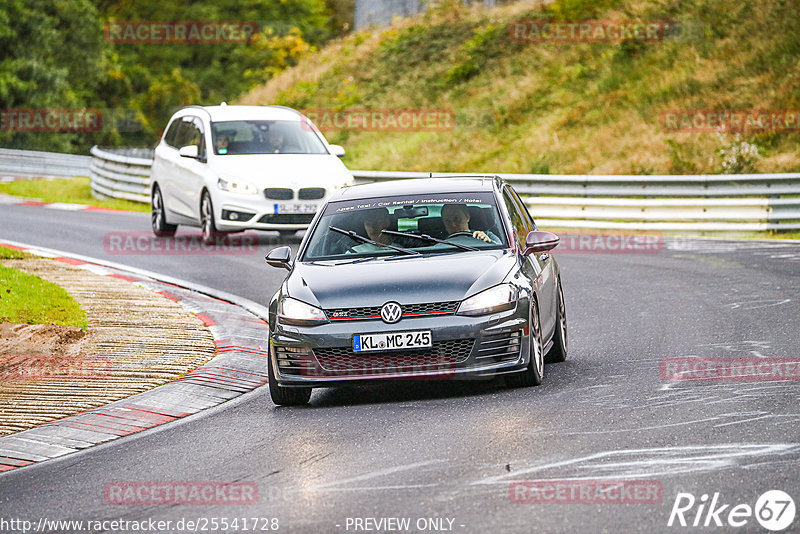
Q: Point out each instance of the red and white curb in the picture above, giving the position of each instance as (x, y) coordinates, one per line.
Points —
(62, 206)
(239, 366)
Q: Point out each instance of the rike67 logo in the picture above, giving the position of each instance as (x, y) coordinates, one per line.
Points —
(774, 510)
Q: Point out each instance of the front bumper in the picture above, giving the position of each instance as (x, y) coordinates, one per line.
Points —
(265, 214)
(463, 348)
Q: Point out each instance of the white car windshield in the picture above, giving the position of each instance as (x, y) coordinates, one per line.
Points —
(439, 223)
(232, 138)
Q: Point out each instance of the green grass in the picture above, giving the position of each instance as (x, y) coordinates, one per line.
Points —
(13, 254)
(25, 298)
(68, 190)
(775, 234)
(569, 108)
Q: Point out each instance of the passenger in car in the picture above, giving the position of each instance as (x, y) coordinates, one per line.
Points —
(222, 144)
(456, 221)
(277, 140)
(375, 221)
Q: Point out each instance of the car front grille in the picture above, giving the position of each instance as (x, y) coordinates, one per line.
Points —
(443, 356)
(311, 193)
(279, 193)
(409, 310)
(287, 218)
(499, 348)
(342, 361)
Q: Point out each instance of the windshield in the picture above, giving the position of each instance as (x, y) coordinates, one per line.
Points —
(264, 137)
(411, 224)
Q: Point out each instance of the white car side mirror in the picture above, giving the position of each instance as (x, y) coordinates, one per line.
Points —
(189, 151)
(337, 150)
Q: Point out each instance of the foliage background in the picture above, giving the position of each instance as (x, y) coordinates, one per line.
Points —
(572, 108)
(53, 54)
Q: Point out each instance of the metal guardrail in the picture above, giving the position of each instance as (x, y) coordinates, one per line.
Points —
(744, 202)
(738, 203)
(121, 173)
(30, 163)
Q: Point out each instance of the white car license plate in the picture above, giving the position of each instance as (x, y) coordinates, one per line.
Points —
(392, 341)
(295, 207)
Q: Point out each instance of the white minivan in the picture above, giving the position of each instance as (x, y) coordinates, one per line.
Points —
(234, 168)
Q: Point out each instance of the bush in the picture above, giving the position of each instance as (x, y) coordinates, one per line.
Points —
(737, 156)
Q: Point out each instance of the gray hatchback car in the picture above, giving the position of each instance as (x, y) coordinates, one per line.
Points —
(443, 278)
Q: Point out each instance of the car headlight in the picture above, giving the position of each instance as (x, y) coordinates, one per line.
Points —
(237, 186)
(293, 311)
(494, 299)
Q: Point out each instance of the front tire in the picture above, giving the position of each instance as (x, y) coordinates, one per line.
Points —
(158, 217)
(207, 222)
(286, 396)
(532, 375)
(558, 352)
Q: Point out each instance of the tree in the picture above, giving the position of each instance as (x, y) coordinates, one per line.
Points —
(50, 57)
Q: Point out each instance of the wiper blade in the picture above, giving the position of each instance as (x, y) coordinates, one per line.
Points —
(426, 237)
(363, 239)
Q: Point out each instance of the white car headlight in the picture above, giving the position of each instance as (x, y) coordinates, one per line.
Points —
(494, 299)
(293, 311)
(237, 186)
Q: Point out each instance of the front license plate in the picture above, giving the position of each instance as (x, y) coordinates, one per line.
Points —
(293, 207)
(392, 341)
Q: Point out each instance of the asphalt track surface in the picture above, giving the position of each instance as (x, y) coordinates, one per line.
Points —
(451, 450)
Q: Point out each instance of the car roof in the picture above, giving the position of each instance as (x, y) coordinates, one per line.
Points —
(238, 113)
(423, 186)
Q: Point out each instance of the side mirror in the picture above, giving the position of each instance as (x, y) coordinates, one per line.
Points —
(189, 151)
(337, 150)
(280, 257)
(540, 241)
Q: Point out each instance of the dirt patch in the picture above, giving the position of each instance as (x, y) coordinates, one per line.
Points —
(40, 350)
(137, 339)
(39, 339)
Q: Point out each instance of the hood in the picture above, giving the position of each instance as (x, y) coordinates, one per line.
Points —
(405, 279)
(284, 170)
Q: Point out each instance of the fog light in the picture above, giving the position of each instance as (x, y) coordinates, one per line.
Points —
(230, 215)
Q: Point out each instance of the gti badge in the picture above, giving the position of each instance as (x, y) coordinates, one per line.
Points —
(391, 312)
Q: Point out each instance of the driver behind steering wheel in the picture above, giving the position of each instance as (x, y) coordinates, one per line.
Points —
(456, 221)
